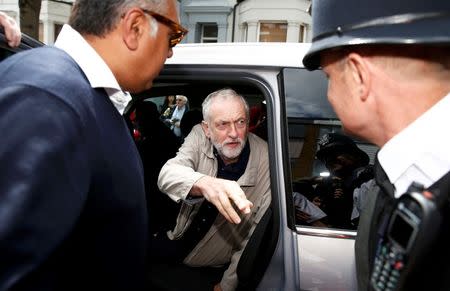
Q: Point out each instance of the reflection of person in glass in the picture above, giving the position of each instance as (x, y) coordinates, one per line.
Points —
(348, 168)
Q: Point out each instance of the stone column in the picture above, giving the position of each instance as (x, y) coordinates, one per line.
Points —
(49, 31)
(293, 30)
(190, 37)
(308, 33)
(252, 31)
(221, 32)
(241, 33)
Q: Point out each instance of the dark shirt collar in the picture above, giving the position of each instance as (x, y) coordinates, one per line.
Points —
(235, 170)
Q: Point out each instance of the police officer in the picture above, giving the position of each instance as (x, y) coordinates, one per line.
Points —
(388, 64)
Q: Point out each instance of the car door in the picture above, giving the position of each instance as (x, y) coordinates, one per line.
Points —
(284, 255)
(325, 255)
(258, 86)
(25, 43)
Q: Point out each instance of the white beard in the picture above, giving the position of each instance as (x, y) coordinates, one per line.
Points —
(229, 153)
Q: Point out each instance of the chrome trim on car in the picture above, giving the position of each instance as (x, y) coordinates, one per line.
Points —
(326, 232)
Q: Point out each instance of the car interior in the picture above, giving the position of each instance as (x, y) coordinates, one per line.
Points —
(161, 209)
(304, 132)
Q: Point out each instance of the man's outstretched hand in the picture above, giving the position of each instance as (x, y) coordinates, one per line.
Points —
(222, 193)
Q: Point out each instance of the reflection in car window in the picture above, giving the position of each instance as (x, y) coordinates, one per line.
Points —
(306, 94)
(331, 172)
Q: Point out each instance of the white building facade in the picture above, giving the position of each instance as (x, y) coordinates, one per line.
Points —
(54, 13)
(246, 20)
(207, 20)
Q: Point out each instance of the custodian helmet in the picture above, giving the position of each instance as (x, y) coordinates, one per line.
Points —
(338, 23)
(333, 144)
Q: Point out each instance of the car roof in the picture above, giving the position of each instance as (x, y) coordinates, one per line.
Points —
(241, 54)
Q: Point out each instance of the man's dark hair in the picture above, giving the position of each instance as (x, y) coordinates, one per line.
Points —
(98, 17)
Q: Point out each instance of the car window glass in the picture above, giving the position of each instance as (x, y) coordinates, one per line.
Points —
(306, 94)
(331, 173)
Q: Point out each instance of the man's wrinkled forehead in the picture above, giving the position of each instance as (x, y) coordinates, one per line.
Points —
(227, 109)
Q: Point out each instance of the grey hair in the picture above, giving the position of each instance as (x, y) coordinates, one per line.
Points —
(223, 94)
(185, 100)
(154, 26)
(99, 17)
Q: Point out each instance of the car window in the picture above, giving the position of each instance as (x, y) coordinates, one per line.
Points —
(158, 135)
(331, 172)
(306, 94)
(195, 95)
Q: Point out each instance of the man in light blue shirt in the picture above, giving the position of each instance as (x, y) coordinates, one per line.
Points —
(178, 113)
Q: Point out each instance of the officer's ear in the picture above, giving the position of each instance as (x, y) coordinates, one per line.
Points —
(133, 26)
(205, 127)
(360, 75)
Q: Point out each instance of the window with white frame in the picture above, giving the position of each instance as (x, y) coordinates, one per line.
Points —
(272, 32)
(208, 33)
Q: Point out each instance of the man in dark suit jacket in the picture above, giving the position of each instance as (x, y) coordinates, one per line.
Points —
(72, 202)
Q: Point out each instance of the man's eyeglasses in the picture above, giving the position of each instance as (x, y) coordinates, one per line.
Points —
(178, 31)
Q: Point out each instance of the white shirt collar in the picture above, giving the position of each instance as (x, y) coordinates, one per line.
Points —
(420, 152)
(94, 67)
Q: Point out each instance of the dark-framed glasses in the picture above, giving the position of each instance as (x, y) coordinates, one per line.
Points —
(178, 31)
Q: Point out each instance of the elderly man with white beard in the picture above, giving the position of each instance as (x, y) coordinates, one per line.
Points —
(221, 177)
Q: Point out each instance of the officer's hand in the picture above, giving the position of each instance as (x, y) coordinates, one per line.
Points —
(221, 193)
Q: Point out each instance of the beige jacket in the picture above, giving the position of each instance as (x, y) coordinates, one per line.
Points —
(224, 242)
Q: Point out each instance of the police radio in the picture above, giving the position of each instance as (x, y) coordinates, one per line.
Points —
(412, 230)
